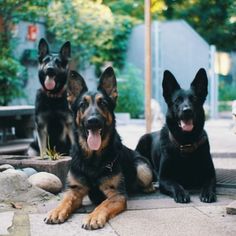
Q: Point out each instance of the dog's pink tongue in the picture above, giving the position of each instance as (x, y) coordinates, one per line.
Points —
(94, 139)
(49, 83)
(186, 125)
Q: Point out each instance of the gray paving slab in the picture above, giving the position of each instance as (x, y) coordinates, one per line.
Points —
(167, 202)
(6, 219)
(70, 228)
(177, 222)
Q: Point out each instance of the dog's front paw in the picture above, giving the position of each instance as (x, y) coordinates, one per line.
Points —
(208, 196)
(181, 196)
(94, 221)
(56, 216)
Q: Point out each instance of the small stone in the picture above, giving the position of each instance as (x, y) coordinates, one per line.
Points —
(29, 171)
(6, 167)
(231, 208)
(46, 181)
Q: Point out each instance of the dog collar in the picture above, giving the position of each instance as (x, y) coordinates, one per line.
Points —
(55, 95)
(190, 147)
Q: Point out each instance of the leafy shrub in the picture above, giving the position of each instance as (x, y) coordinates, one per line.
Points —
(11, 83)
(97, 34)
(227, 91)
(131, 91)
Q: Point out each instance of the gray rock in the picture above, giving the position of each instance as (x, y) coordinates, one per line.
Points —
(16, 172)
(14, 186)
(29, 171)
(231, 208)
(46, 181)
(5, 167)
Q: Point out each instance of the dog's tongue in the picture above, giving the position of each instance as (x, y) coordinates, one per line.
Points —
(186, 125)
(94, 139)
(49, 83)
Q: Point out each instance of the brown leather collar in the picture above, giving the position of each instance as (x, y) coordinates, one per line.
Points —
(190, 147)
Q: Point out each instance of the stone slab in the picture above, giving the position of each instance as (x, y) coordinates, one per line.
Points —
(173, 221)
(6, 219)
(72, 227)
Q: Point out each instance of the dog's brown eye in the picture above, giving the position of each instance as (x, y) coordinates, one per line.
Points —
(83, 105)
(58, 62)
(102, 102)
(192, 98)
(46, 60)
(179, 99)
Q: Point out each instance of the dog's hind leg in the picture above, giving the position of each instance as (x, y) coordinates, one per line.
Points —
(42, 136)
(145, 177)
(68, 131)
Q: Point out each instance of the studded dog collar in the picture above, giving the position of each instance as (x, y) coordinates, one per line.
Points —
(190, 147)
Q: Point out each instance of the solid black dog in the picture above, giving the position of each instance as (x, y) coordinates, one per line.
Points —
(52, 115)
(101, 167)
(180, 152)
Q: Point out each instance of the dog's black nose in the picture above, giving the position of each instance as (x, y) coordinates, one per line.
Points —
(93, 121)
(50, 71)
(187, 110)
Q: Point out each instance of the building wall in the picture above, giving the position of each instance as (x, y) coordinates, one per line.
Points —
(32, 83)
(176, 47)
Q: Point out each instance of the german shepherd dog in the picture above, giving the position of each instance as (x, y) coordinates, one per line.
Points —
(180, 152)
(102, 167)
(52, 115)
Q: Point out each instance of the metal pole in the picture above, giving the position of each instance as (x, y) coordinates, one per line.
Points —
(148, 72)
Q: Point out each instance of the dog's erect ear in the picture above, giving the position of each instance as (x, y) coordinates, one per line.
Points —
(108, 83)
(43, 49)
(75, 86)
(65, 51)
(169, 85)
(199, 85)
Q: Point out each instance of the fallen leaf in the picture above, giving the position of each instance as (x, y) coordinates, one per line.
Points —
(16, 205)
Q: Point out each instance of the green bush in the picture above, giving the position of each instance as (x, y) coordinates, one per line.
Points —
(11, 83)
(131, 91)
(227, 92)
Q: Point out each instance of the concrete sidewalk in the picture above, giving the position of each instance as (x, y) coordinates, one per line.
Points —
(152, 214)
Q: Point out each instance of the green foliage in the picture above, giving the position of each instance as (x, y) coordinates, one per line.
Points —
(11, 81)
(214, 20)
(11, 71)
(131, 91)
(96, 34)
(133, 8)
(227, 91)
(51, 153)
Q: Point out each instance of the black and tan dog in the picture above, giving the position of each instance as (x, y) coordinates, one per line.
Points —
(52, 115)
(180, 152)
(102, 167)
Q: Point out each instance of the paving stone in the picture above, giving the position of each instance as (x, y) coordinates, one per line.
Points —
(72, 227)
(5, 222)
(173, 221)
